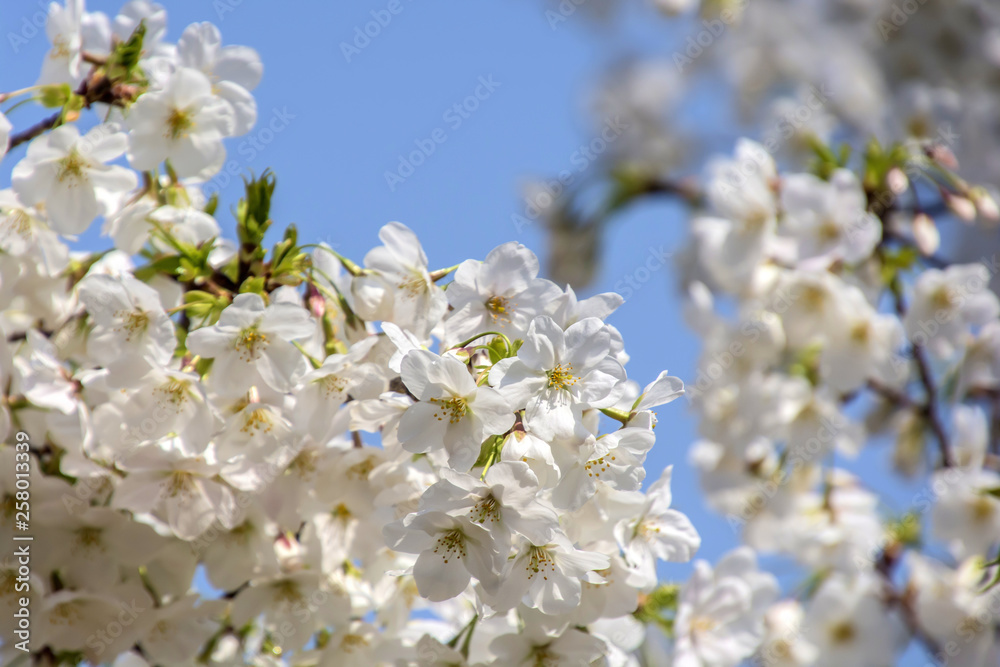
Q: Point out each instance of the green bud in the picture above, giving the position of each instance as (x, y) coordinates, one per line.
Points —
(55, 95)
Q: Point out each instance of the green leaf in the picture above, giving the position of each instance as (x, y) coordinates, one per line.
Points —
(212, 204)
(253, 284)
(897, 260)
(204, 307)
(124, 60)
(253, 213)
(169, 266)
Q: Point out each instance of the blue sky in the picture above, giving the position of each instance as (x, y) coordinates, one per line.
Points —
(343, 125)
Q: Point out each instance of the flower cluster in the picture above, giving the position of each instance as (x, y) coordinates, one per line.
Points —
(242, 455)
(802, 73)
(845, 329)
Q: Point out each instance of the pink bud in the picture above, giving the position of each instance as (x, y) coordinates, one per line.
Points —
(943, 156)
(925, 234)
(985, 204)
(897, 181)
(962, 207)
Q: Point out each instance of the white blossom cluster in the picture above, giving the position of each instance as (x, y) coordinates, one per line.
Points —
(830, 326)
(252, 456)
(792, 74)
(906, 68)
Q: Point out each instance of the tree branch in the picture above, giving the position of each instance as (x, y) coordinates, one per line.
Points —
(34, 130)
(929, 407)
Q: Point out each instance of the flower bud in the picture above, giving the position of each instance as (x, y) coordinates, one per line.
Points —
(897, 181)
(943, 155)
(926, 234)
(985, 204)
(962, 207)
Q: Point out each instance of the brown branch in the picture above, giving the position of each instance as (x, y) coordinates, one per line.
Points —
(894, 396)
(34, 130)
(929, 409)
(882, 203)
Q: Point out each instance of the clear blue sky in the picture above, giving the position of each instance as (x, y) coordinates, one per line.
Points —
(349, 122)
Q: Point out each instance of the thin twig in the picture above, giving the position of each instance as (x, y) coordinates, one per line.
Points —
(929, 408)
(34, 131)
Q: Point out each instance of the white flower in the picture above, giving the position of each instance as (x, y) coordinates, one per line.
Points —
(63, 26)
(129, 321)
(533, 647)
(24, 231)
(946, 303)
(502, 293)
(504, 502)
(965, 513)
(866, 348)
(981, 366)
(180, 629)
(295, 604)
(849, 625)
(323, 390)
(743, 232)
(44, 381)
(814, 305)
(611, 461)
(251, 342)
(452, 411)
(396, 285)
(451, 551)
(254, 431)
(233, 70)
(784, 644)
(183, 491)
(657, 533)
(557, 374)
(829, 218)
(569, 310)
(952, 607)
(135, 223)
(5, 128)
(720, 614)
(233, 557)
(100, 540)
(184, 123)
(69, 174)
(522, 446)
(433, 653)
(359, 644)
(549, 576)
(68, 618)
